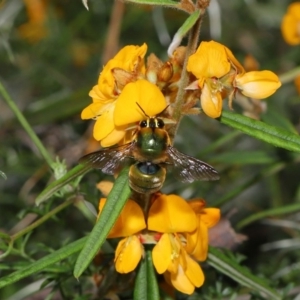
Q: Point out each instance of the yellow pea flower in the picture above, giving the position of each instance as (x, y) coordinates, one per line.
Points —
(214, 65)
(290, 25)
(171, 259)
(176, 218)
(120, 87)
(177, 229)
(220, 75)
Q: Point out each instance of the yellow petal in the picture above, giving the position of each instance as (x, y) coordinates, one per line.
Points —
(97, 94)
(171, 213)
(197, 205)
(162, 254)
(114, 137)
(257, 84)
(128, 254)
(104, 125)
(234, 61)
(92, 111)
(210, 60)
(211, 103)
(146, 94)
(181, 282)
(197, 242)
(194, 272)
(130, 221)
(210, 216)
(130, 56)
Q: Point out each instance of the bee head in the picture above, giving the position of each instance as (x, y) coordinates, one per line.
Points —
(152, 122)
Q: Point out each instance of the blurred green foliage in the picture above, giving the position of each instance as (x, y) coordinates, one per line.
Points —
(50, 79)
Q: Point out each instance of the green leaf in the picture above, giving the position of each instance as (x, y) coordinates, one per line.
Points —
(43, 263)
(232, 269)
(287, 209)
(188, 23)
(269, 171)
(167, 3)
(275, 136)
(243, 158)
(183, 30)
(55, 186)
(146, 287)
(273, 117)
(111, 211)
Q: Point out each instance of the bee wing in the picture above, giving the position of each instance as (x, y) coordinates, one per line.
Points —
(188, 169)
(108, 160)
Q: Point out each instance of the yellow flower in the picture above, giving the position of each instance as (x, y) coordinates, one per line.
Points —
(290, 25)
(179, 230)
(35, 29)
(174, 217)
(220, 75)
(114, 98)
(104, 93)
(214, 65)
(257, 84)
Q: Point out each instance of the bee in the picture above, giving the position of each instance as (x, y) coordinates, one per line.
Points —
(150, 153)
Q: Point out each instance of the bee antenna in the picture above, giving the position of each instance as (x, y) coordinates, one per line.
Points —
(142, 110)
(164, 109)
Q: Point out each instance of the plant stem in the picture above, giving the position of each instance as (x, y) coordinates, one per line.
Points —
(290, 75)
(43, 219)
(190, 49)
(26, 125)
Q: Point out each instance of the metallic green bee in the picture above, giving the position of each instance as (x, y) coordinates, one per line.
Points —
(149, 154)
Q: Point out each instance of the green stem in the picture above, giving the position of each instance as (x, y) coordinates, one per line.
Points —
(26, 125)
(290, 75)
(43, 219)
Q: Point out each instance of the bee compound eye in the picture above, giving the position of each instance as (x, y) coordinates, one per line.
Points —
(143, 123)
(160, 123)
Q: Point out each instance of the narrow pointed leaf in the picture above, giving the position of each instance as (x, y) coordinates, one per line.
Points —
(43, 263)
(183, 30)
(55, 186)
(140, 287)
(243, 158)
(166, 3)
(287, 209)
(152, 287)
(111, 211)
(146, 287)
(232, 269)
(275, 136)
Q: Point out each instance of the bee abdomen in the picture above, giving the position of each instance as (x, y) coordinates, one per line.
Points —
(146, 177)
